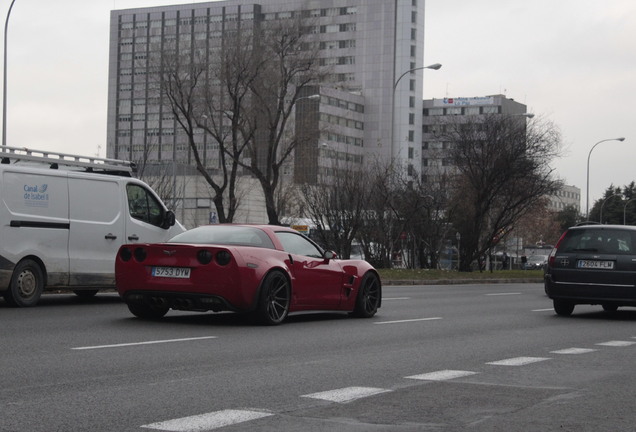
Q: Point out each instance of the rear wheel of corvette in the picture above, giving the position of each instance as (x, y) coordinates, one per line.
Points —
(273, 305)
(368, 299)
(148, 312)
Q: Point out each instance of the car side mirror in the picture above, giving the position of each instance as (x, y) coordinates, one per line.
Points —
(329, 255)
(169, 220)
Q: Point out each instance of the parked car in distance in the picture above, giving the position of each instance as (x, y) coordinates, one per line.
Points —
(536, 262)
(267, 271)
(593, 264)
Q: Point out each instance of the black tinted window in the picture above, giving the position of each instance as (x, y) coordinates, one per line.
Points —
(605, 241)
(225, 235)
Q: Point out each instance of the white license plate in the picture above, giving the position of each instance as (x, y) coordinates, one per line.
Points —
(171, 272)
(595, 264)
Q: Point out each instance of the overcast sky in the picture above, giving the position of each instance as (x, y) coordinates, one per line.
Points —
(572, 62)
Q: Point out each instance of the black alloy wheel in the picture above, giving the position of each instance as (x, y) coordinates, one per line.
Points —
(369, 295)
(275, 298)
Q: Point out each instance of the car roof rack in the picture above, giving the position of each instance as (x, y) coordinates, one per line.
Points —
(55, 160)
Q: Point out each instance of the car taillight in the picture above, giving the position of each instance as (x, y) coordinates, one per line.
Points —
(125, 254)
(140, 254)
(552, 255)
(223, 257)
(204, 256)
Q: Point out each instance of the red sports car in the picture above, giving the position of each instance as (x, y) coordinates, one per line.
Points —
(265, 270)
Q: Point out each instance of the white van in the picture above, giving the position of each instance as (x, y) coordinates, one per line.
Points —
(63, 218)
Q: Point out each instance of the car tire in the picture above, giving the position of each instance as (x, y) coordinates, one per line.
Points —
(369, 296)
(147, 312)
(26, 286)
(274, 299)
(563, 308)
(85, 293)
(608, 307)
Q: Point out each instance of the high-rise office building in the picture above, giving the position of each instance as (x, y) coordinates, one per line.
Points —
(437, 114)
(371, 103)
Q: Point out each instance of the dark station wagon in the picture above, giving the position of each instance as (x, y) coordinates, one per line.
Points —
(593, 264)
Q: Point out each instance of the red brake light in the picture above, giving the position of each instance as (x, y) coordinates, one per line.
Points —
(554, 250)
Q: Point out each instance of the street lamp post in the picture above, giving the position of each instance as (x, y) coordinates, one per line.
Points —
(625, 210)
(587, 204)
(434, 66)
(458, 236)
(4, 88)
(600, 219)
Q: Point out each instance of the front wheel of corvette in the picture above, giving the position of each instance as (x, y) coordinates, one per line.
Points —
(369, 295)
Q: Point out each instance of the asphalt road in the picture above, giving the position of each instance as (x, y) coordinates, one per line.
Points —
(435, 358)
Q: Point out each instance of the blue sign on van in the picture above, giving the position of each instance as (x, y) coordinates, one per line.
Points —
(36, 195)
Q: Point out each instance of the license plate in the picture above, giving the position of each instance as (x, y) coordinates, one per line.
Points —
(171, 272)
(595, 264)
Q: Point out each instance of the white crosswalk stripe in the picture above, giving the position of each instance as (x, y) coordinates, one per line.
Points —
(442, 375)
(209, 421)
(346, 394)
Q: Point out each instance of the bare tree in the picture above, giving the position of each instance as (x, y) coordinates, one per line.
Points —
(502, 167)
(198, 106)
(285, 72)
(338, 209)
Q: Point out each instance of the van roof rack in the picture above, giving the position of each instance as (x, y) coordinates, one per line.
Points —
(55, 159)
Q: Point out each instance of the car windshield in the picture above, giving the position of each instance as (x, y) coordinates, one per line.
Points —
(537, 258)
(605, 241)
(225, 235)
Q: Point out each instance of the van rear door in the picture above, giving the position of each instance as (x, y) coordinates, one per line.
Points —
(34, 220)
(97, 229)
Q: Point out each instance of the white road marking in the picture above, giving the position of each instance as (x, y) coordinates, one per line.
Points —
(518, 361)
(395, 298)
(209, 421)
(502, 294)
(544, 310)
(442, 375)
(573, 351)
(143, 343)
(617, 343)
(409, 320)
(346, 394)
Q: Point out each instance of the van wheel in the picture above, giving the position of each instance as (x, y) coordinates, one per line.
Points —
(27, 284)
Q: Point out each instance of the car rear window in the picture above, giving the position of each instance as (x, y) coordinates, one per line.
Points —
(225, 235)
(604, 241)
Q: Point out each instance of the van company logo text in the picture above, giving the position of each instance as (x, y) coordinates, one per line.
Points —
(36, 195)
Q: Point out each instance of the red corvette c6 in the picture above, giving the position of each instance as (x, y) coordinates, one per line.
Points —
(265, 270)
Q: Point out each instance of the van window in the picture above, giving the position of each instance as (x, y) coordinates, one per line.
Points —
(143, 206)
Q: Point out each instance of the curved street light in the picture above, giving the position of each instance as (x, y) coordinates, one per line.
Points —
(587, 204)
(4, 91)
(600, 219)
(625, 209)
(434, 66)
